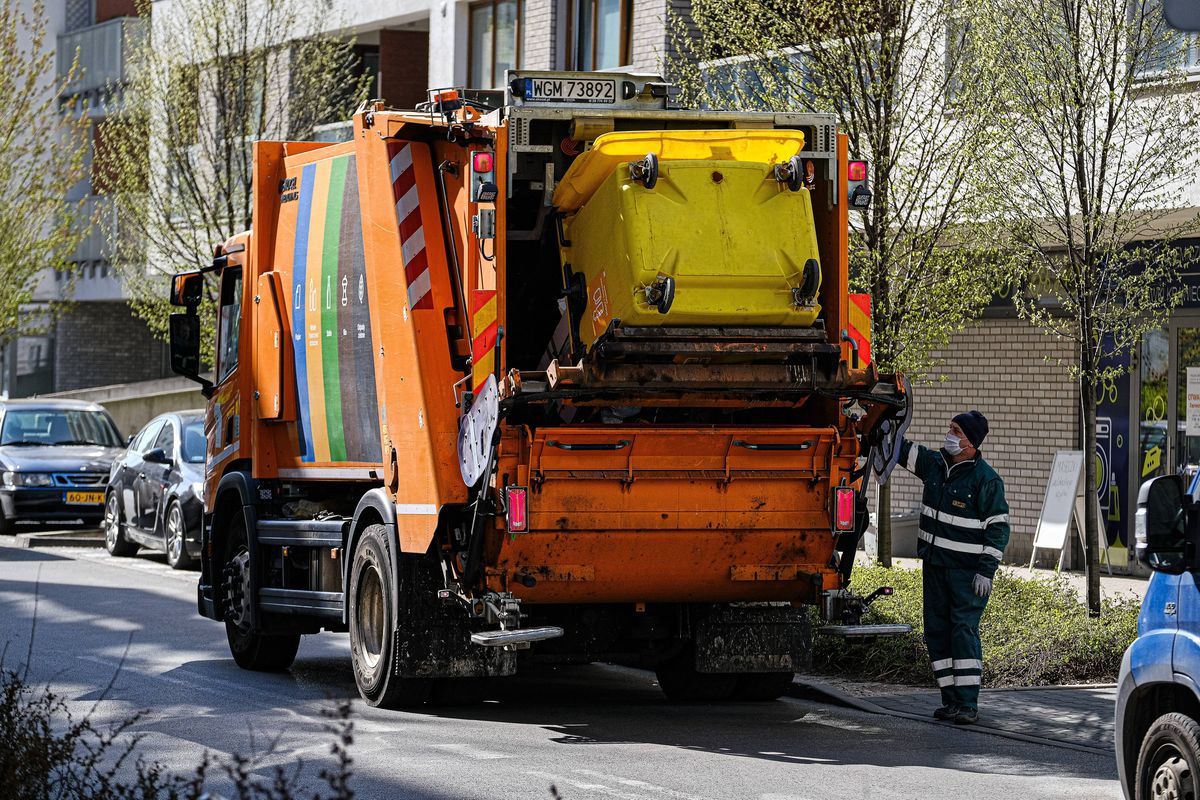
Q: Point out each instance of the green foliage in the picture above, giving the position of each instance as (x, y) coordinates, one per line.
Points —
(41, 155)
(213, 77)
(1035, 632)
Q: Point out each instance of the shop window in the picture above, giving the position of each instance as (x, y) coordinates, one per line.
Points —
(1153, 418)
(600, 36)
(495, 36)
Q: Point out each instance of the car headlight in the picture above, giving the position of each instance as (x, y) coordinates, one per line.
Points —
(28, 479)
(198, 489)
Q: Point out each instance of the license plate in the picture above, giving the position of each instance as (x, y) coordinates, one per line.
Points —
(571, 90)
(89, 498)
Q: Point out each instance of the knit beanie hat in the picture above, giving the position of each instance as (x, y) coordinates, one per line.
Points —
(974, 425)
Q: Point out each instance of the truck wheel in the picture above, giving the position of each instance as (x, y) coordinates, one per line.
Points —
(680, 682)
(1168, 764)
(374, 578)
(762, 685)
(114, 532)
(251, 649)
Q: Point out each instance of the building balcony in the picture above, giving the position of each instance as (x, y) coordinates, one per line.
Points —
(103, 51)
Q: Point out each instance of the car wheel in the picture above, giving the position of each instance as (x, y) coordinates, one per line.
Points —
(176, 536)
(114, 531)
(251, 650)
(1169, 760)
(373, 579)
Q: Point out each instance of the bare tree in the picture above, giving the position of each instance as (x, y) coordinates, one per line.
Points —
(1095, 135)
(42, 154)
(911, 105)
(213, 77)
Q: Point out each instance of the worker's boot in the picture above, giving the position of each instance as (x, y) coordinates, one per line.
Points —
(966, 716)
(946, 712)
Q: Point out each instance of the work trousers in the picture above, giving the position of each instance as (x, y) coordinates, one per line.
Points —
(952, 613)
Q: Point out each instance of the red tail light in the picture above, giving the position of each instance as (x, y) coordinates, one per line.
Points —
(843, 508)
(517, 517)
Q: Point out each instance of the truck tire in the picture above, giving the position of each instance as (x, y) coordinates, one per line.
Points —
(375, 575)
(756, 686)
(1168, 764)
(681, 683)
(250, 649)
(114, 530)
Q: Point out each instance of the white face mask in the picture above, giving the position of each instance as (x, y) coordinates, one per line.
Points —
(951, 444)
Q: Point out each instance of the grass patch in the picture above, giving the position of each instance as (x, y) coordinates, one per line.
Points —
(1035, 632)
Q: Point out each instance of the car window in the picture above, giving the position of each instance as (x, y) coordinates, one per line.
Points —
(166, 440)
(142, 443)
(56, 426)
(193, 442)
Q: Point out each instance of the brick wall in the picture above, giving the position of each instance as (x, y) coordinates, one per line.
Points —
(100, 343)
(403, 67)
(649, 35)
(1018, 378)
(111, 9)
(539, 49)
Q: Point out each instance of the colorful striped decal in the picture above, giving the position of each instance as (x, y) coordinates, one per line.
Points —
(483, 335)
(408, 218)
(335, 369)
(860, 326)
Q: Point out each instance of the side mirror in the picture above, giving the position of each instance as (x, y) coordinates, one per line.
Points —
(185, 349)
(1160, 527)
(187, 289)
(157, 456)
(129, 440)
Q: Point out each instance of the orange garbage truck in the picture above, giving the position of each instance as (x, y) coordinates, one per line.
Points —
(558, 373)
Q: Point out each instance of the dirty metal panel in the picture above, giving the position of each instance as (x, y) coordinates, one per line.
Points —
(754, 639)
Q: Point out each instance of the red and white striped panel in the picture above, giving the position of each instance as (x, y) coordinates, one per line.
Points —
(408, 217)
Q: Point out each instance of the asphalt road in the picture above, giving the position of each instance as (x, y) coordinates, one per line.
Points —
(591, 732)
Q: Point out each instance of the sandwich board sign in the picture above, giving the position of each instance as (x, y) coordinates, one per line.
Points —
(1063, 502)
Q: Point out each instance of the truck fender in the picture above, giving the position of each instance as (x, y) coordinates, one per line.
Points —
(235, 495)
(375, 508)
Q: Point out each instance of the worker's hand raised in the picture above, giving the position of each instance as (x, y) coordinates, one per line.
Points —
(982, 586)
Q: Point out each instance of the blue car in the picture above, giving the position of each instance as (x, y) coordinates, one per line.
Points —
(1158, 697)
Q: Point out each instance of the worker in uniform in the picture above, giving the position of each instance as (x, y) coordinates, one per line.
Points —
(964, 530)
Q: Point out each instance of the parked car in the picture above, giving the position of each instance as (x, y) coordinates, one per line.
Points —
(155, 493)
(55, 457)
(1157, 721)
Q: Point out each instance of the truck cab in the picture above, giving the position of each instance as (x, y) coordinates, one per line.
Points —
(1157, 722)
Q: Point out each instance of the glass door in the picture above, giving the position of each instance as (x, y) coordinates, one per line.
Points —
(1184, 444)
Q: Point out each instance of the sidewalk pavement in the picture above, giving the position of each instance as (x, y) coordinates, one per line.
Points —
(1110, 585)
(1075, 717)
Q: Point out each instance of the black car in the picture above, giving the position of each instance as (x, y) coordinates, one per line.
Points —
(55, 457)
(156, 490)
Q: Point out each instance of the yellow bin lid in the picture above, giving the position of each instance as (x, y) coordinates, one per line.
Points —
(613, 149)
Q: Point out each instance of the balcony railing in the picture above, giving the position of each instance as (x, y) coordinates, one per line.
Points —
(334, 132)
(103, 51)
(94, 247)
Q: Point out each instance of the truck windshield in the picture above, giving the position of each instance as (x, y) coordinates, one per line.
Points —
(48, 426)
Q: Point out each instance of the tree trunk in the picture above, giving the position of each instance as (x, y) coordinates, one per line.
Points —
(1092, 533)
(883, 525)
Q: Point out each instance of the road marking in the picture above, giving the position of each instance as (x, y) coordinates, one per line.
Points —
(469, 751)
(815, 718)
(598, 788)
(641, 785)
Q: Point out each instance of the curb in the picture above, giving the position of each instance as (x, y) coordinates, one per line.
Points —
(79, 538)
(819, 692)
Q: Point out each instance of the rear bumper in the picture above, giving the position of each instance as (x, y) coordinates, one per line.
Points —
(46, 505)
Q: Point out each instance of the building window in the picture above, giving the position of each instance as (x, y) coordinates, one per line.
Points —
(1161, 47)
(495, 34)
(600, 36)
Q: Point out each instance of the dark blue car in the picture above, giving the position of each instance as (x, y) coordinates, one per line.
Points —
(1158, 697)
(55, 457)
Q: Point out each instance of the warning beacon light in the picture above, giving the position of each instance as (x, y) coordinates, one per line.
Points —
(856, 185)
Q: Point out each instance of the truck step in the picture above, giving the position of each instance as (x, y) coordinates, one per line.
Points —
(301, 532)
(522, 635)
(301, 601)
(853, 631)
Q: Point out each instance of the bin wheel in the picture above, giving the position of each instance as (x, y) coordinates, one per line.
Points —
(795, 180)
(645, 171)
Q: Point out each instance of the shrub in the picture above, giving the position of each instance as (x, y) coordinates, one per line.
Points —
(1035, 632)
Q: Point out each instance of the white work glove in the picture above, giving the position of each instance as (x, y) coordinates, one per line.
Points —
(982, 586)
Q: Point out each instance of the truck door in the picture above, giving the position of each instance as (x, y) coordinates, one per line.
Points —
(223, 422)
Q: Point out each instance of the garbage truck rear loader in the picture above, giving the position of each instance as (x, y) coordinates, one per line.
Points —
(556, 373)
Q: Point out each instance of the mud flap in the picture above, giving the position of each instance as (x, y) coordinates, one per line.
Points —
(753, 639)
(446, 651)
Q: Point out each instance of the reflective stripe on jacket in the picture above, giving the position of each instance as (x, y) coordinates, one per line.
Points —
(964, 516)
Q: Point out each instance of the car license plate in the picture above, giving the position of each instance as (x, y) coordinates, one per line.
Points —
(571, 90)
(88, 498)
